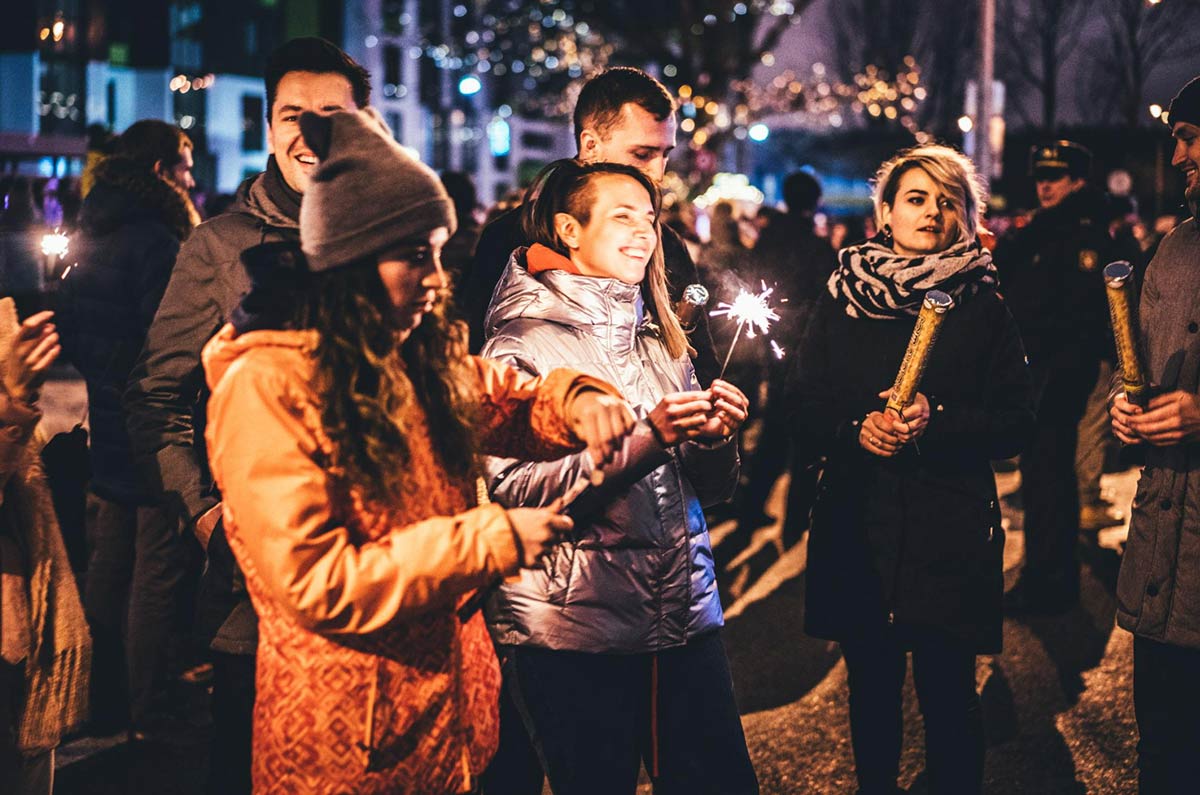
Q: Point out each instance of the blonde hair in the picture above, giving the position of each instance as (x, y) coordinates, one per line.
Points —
(951, 170)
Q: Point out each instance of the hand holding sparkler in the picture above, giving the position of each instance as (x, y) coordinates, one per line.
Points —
(751, 312)
(907, 409)
(883, 433)
(730, 407)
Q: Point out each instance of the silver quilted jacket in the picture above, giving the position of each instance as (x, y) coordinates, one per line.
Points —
(636, 575)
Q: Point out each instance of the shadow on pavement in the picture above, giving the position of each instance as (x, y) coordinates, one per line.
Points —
(773, 662)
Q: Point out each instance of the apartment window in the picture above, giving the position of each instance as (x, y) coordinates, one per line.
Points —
(391, 65)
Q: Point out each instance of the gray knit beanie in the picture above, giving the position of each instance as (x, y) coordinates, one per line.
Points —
(368, 193)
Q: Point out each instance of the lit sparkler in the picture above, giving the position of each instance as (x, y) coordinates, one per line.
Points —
(54, 244)
(751, 311)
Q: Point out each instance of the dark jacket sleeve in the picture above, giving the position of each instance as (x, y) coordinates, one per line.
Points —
(167, 380)
(479, 278)
(1002, 423)
(681, 272)
(821, 418)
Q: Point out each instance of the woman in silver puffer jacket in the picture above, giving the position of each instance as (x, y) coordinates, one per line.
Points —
(607, 646)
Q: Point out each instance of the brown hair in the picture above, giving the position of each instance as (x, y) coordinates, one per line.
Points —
(601, 99)
(368, 385)
(566, 186)
(148, 141)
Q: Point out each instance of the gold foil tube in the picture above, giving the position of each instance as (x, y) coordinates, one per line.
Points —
(1121, 310)
(925, 334)
(695, 298)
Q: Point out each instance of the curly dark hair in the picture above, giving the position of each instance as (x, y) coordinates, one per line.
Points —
(368, 384)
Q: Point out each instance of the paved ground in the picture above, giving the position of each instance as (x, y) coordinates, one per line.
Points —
(1057, 701)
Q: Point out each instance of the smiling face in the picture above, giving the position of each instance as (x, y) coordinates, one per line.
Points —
(924, 220)
(619, 237)
(636, 139)
(412, 275)
(1186, 157)
(297, 92)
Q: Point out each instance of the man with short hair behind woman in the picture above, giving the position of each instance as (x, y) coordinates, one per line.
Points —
(906, 547)
(611, 647)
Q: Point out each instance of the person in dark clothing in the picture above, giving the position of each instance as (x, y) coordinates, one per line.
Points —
(1051, 277)
(790, 255)
(131, 226)
(905, 553)
(623, 115)
(459, 249)
(165, 397)
(1159, 586)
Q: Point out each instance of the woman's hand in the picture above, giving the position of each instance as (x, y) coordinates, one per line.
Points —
(730, 408)
(601, 422)
(536, 530)
(34, 350)
(883, 434)
(680, 416)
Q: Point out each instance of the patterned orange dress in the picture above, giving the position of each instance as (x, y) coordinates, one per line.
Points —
(367, 680)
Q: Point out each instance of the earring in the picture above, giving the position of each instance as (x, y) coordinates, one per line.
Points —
(887, 235)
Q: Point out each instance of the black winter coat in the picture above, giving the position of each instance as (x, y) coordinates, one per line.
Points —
(914, 540)
(1051, 274)
(166, 396)
(130, 228)
(503, 236)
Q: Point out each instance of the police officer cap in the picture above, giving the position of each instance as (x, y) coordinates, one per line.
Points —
(1186, 105)
(1058, 159)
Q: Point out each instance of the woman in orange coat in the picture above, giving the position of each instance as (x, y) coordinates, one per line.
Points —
(344, 425)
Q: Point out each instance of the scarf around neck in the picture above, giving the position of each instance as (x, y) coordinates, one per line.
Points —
(286, 198)
(875, 282)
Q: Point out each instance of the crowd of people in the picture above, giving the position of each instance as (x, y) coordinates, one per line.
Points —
(448, 484)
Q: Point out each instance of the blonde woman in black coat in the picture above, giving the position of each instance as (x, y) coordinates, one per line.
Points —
(906, 548)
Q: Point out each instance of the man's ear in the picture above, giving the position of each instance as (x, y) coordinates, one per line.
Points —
(161, 171)
(567, 227)
(589, 145)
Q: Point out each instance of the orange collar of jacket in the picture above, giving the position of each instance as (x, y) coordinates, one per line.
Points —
(542, 258)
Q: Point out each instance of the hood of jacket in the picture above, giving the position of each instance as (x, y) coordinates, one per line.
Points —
(224, 349)
(254, 199)
(608, 309)
(125, 192)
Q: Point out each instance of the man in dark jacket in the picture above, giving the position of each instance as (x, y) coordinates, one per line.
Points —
(166, 395)
(130, 228)
(1158, 592)
(623, 115)
(1050, 273)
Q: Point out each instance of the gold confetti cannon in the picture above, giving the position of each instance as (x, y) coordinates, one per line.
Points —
(1118, 278)
(695, 298)
(925, 334)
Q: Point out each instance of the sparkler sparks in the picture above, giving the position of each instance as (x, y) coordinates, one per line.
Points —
(55, 244)
(777, 350)
(750, 311)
